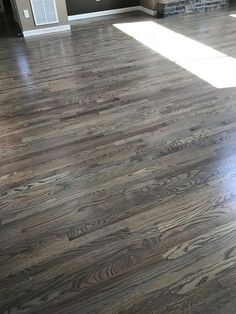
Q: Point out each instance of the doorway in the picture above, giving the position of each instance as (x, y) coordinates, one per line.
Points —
(8, 25)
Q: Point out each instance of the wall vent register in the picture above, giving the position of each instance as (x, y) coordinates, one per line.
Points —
(44, 12)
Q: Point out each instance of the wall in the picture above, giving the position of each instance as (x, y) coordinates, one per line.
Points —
(1, 6)
(149, 4)
(86, 6)
(28, 24)
(15, 12)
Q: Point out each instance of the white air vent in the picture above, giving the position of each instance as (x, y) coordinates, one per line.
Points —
(44, 11)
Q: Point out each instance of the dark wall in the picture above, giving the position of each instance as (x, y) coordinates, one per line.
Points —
(8, 9)
(87, 6)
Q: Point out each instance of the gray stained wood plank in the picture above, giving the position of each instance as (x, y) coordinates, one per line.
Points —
(117, 174)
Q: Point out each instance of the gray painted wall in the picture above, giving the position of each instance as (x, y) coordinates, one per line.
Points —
(86, 6)
(149, 4)
(28, 23)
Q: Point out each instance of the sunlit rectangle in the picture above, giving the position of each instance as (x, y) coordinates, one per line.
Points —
(207, 63)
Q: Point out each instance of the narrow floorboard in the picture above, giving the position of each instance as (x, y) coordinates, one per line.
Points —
(117, 174)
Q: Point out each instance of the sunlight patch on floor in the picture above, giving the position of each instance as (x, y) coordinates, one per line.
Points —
(211, 65)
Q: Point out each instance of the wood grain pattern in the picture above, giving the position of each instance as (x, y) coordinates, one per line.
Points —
(117, 174)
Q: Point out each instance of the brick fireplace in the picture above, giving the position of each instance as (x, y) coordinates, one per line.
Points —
(174, 7)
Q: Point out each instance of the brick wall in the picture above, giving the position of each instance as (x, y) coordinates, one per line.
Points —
(188, 6)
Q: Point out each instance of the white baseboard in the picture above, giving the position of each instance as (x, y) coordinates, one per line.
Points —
(148, 11)
(102, 13)
(41, 31)
(61, 28)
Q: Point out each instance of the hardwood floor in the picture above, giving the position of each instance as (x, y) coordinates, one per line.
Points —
(117, 174)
